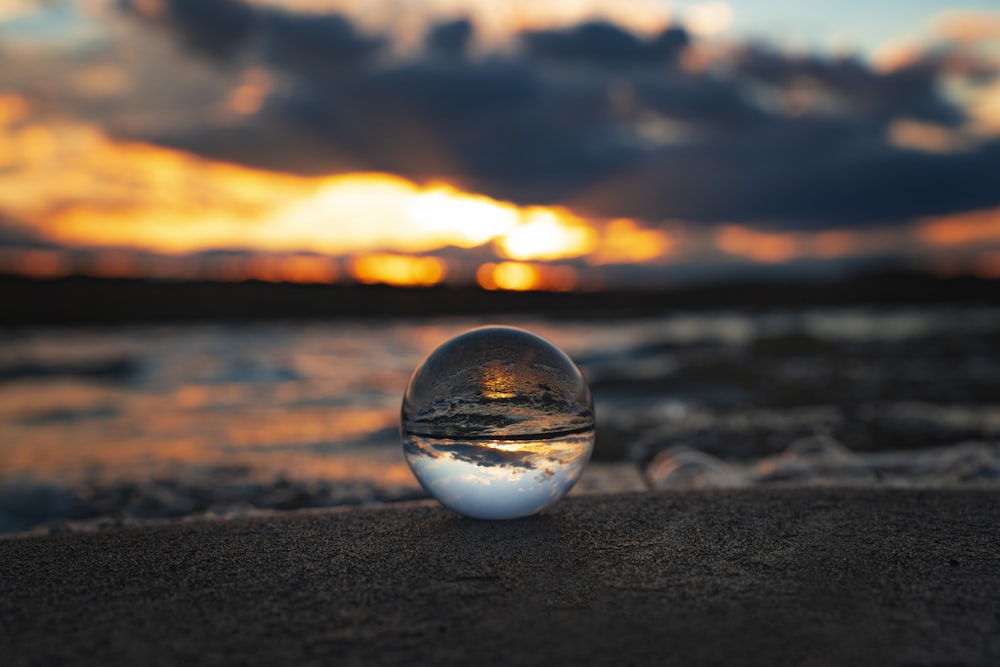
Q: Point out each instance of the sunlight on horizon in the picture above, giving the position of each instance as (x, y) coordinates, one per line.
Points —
(71, 185)
(68, 184)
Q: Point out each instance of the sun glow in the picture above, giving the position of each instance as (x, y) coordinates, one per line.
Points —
(119, 209)
(398, 270)
(624, 242)
(553, 233)
(73, 186)
(521, 276)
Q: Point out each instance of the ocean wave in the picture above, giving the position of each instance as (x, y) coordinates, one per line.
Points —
(822, 461)
(136, 423)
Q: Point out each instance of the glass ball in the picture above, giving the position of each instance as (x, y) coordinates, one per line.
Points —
(497, 423)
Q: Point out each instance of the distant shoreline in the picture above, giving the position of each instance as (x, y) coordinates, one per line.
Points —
(84, 300)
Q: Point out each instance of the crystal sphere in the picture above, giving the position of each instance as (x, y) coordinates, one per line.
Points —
(497, 423)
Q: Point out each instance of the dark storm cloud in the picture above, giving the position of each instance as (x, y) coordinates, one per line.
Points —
(597, 118)
(857, 89)
(314, 44)
(450, 39)
(16, 234)
(825, 175)
(223, 29)
(216, 28)
(603, 45)
(705, 101)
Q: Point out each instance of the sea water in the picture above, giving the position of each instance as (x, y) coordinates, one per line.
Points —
(109, 424)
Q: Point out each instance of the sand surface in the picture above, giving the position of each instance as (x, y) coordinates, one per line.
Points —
(765, 577)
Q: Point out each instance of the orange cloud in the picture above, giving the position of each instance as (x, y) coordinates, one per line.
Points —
(897, 55)
(834, 243)
(961, 229)
(762, 247)
(984, 109)
(624, 242)
(521, 276)
(400, 270)
(925, 137)
(708, 18)
(71, 185)
(77, 187)
(773, 247)
(969, 26)
(249, 94)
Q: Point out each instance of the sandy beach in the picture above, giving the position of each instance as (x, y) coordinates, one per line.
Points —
(776, 576)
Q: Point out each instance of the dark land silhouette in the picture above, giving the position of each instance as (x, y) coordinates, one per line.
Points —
(80, 299)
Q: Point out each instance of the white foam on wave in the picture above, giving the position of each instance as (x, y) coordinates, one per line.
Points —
(822, 461)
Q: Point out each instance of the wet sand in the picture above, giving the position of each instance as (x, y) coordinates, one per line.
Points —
(768, 577)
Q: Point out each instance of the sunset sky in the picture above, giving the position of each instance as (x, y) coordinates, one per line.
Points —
(570, 144)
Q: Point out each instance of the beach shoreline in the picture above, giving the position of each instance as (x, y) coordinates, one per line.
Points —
(758, 576)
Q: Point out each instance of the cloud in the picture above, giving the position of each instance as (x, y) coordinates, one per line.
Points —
(594, 116)
(969, 26)
(599, 44)
(314, 44)
(848, 87)
(216, 28)
(708, 18)
(450, 39)
(16, 234)
(223, 29)
(483, 455)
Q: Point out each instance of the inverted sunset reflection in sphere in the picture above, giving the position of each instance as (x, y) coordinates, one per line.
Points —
(497, 423)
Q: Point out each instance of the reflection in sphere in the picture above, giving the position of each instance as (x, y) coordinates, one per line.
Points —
(497, 423)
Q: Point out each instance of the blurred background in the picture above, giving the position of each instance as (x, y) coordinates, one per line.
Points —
(768, 231)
